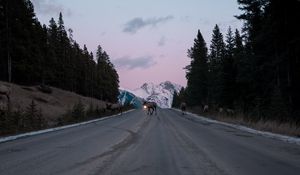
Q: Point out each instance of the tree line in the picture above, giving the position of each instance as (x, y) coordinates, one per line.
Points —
(256, 71)
(31, 54)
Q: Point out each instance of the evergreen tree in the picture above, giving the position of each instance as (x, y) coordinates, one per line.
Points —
(108, 79)
(242, 74)
(238, 43)
(217, 47)
(282, 37)
(33, 118)
(254, 63)
(62, 54)
(178, 98)
(18, 58)
(53, 61)
(175, 102)
(228, 73)
(272, 46)
(196, 72)
(229, 48)
(100, 73)
(47, 55)
(253, 19)
(216, 59)
(61, 31)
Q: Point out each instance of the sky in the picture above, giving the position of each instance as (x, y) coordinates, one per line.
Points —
(147, 40)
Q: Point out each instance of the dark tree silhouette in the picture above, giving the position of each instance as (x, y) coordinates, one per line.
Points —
(33, 54)
(197, 72)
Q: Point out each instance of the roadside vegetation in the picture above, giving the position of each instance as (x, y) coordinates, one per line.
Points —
(31, 118)
(31, 108)
(285, 128)
(254, 74)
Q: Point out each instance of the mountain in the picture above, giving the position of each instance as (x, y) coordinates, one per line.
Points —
(128, 97)
(162, 93)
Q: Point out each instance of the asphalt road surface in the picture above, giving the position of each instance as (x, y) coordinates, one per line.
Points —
(134, 143)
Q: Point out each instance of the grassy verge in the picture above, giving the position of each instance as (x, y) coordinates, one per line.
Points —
(285, 128)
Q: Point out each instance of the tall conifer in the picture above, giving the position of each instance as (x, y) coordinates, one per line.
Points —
(196, 72)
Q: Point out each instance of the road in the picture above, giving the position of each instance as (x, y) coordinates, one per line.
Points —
(134, 143)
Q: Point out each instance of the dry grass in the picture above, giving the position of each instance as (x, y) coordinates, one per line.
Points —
(286, 128)
(276, 127)
(52, 105)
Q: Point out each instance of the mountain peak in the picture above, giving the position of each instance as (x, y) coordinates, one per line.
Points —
(147, 84)
(162, 94)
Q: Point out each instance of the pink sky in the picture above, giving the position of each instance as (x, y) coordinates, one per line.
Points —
(146, 40)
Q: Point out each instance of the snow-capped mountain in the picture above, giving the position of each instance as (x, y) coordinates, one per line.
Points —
(162, 93)
(128, 97)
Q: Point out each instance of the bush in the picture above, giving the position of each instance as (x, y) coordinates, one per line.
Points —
(33, 118)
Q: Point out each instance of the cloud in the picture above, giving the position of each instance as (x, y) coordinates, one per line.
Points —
(133, 63)
(136, 24)
(162, 41)
(50, 7)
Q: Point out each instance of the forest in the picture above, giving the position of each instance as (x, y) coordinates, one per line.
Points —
(48, 55)
(255, 71)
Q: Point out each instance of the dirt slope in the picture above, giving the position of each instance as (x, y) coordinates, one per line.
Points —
(52, 105)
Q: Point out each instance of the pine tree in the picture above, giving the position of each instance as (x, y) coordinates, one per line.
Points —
(47, 55)
(33, 118)
(100, 73)
(62, 52)
(228, 73)
(18, 58)
(216, 59)
(175, 102)
(238, 43)
(108, 79)
(229, 48)
(242, 68)
(217, 47)
(53, 61)
(254, 62)
(253, 18)
(61, 31)
(178, 98)
(272, 46)
(196, 72)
